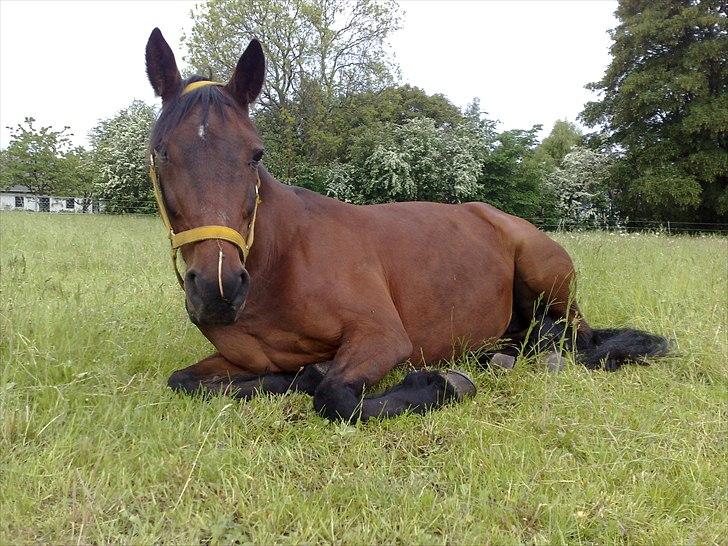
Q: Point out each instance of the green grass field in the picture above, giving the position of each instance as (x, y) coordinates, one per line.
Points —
(95, 449)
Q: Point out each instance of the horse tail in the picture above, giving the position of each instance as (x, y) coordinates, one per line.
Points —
(615, 346)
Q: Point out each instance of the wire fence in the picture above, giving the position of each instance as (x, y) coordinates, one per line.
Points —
(138, 206)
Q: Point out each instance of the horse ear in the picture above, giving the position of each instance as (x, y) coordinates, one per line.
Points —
(161, 66)
(247, 81)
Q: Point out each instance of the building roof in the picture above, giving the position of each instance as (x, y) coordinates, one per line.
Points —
(17, 188)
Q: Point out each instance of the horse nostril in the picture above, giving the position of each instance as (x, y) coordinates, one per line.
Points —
(191, 278)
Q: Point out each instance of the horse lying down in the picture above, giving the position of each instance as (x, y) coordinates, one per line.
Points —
(297, 291)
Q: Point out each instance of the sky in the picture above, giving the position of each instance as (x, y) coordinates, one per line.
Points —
(76, 62)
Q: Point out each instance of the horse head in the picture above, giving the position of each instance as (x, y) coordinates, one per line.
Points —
(205, 153)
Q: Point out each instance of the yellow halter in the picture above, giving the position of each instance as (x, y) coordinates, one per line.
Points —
(202, 233)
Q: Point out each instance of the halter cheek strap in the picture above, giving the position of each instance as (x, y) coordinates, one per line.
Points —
(202, 233)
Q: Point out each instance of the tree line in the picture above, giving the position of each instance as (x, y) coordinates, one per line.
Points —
(336, 120)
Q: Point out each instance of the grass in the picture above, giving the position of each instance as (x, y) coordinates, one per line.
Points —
(95, 449)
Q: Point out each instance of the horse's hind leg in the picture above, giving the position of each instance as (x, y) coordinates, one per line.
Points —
(544, 289)
(216, 375)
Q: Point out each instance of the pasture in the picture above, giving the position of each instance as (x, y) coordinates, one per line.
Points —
(94, 447)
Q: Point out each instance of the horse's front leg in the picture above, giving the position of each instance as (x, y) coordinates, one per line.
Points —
(217, 375)
(364, 359)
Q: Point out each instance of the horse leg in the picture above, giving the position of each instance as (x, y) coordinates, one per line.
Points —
(216, 375)
(305, 380)
(363, 360)
(544, 289)
(544, 268)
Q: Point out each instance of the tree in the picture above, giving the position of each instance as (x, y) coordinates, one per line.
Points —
(304, 139)
(35, 157)
(512, 176)
(80, 180)
(338, 44)
(580, 189)
(563, 138)
(120, 147)
(320, 54)
(470, 161)
(422, 161)
(664, 109)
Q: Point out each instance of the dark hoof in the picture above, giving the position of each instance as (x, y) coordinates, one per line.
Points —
(554, 362)
(503, 361)
(182, 381)
(461, 383)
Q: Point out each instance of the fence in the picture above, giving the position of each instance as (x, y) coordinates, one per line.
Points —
(145, 207)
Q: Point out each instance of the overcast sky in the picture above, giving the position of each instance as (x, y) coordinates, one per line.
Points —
(73, 63)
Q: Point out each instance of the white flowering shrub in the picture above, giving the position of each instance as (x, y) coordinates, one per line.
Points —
(389, 175)
(420, 160)
(339, 184)
(580, 190)
(120, 148)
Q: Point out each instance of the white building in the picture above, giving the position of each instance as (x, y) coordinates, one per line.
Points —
(20, 198)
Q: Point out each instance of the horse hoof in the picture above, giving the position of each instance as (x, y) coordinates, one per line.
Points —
(554, 362)
(503, 361)
(461, 382)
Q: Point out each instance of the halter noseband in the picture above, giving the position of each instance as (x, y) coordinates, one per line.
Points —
(201, 233)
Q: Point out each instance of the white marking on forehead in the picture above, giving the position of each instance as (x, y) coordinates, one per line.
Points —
(201, 131)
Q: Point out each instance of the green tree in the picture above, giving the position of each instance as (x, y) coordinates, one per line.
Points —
(340, 45)
(664, 109)
(120, 147)
(80, 180)
(304, 139)
(35, 158)
(512, 176)
(319, 54)
(563, 138)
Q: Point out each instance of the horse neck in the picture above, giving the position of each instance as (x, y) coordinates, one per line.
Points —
(278, 219)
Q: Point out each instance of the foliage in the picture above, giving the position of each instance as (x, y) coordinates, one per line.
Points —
(120, 146)
(339, 184)
(580, 190)
(563, 138)
(512, 174)
(81, 176)
(397, 105)
(305, 138)
(420, 160)
(35, 158)
(339, 45)
(327, 61)
(388, 176)
(94, 448)
(469, 161)
(664, 109)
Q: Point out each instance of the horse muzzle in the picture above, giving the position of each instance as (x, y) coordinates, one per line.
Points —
(215, 300)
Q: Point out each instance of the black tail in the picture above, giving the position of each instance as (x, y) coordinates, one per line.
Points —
(606, 348)
(615, 346)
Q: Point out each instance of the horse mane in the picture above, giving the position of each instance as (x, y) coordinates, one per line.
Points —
(176, 111)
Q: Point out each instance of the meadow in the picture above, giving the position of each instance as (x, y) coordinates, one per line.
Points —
(94, 448)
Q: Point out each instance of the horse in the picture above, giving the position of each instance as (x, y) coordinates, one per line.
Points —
(301, 292)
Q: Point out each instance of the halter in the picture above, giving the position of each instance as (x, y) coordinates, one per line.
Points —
(202, 233)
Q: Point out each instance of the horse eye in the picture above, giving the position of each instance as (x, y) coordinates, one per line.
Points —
(161, 155)
(258, 156)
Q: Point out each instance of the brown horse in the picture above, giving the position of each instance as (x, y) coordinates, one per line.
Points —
(333, 296)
